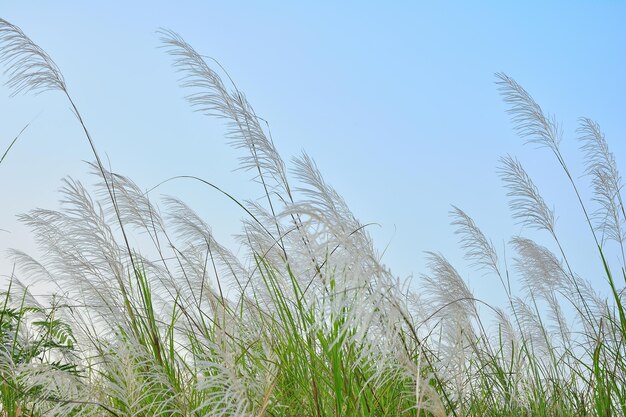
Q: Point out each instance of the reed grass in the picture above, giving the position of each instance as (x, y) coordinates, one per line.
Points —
(308, 321)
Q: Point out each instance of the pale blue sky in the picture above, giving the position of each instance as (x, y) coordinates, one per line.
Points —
(395, 102)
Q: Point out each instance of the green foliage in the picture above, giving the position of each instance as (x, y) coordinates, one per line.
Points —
(31, 337)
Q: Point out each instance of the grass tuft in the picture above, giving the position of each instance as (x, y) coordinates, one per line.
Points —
(306, 320)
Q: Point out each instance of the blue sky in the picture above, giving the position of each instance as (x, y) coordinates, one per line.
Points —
(395, 102)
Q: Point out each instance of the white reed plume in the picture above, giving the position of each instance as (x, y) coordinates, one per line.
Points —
(478, 249)
(542, 273)
(526, 203)
(528, 118)
(28, 67)
(211, 97)
(606, 181)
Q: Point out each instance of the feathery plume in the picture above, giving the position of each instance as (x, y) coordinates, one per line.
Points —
(28, 67)
(605, 179)
(526, 203)
(212, 98)
(478, 249)
(542, 273)
(527, 116)
(448, 290)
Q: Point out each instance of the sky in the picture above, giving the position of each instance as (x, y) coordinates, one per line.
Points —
(395, 101)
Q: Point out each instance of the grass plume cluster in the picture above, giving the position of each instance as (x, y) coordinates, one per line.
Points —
(307, 321)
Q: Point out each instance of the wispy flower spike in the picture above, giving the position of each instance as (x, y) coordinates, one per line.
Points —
(211, 97)
(28, 66)
(529, 119)
(541, 272)
(526, 203)
(478, 249)
(606, 180)
(448, 289)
